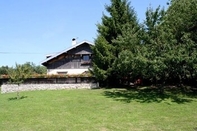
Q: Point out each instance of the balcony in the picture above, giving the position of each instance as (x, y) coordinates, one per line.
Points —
(86, 62)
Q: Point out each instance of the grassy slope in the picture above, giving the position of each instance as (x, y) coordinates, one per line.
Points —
(93, 110)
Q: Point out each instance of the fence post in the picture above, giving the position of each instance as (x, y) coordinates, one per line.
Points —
(75, 79)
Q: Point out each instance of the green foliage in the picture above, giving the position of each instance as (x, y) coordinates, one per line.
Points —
(181, 17)
(3, 70)
(154, 44)
(162, 49)
(130, 57)
(35, 69)
(178, 35)
(107, 47)
(40, 69)
(19, 73)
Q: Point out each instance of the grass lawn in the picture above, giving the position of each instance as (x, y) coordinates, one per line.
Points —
(97, 110)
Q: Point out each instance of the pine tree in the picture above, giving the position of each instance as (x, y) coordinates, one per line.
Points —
(120, 16)
(155, 44)
(170, 37)
(181, 27)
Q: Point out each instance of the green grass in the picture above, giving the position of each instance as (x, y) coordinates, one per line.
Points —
(97, 110)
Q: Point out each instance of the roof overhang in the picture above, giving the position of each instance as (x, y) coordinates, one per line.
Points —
(64, 51)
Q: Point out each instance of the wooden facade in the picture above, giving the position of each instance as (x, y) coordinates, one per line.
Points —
(78, 57)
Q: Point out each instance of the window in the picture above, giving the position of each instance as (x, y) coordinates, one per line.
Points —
(62, 73)
(86, 57)
(85, 60)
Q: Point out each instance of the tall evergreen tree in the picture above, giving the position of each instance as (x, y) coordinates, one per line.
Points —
(155, 46)
(106, 50)
(181, 28)
(130, 60)
(170, 38)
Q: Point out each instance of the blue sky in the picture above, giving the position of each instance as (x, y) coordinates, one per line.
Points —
(31, 29)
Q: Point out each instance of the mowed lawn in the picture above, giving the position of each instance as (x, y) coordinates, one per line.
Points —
(97, 110)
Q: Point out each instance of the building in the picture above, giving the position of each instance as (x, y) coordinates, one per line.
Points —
(75, 60)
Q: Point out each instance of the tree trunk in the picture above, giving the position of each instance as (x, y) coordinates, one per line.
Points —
(18, 96)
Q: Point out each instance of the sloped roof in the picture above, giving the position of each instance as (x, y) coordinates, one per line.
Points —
(66, 50)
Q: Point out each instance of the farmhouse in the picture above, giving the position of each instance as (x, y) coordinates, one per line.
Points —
(74, 60)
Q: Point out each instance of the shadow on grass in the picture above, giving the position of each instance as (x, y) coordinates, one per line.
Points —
(149, 96)
(15, 98)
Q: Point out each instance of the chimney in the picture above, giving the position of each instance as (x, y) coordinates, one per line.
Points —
(48, 56)
(74, 42)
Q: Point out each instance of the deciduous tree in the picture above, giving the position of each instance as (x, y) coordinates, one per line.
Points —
(18, 75)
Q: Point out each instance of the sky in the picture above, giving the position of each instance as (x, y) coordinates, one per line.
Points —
(32, 29)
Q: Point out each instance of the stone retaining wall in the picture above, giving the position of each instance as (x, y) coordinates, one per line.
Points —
(8, 88)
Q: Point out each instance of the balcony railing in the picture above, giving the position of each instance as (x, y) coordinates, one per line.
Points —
(85, 62)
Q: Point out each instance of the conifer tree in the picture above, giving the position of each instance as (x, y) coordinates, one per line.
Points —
(106, 50)
(170, 37)
(154, 44)
(181, 28)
